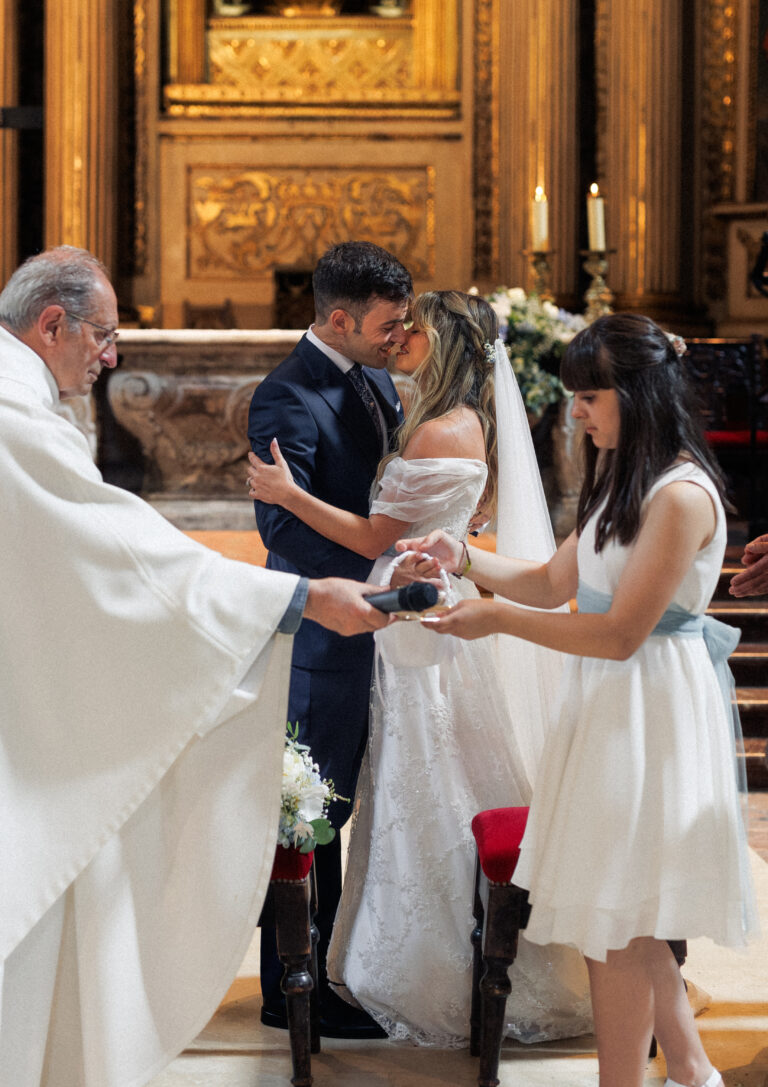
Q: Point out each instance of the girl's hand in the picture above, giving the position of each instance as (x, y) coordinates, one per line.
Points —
(439, 545)
(270, 483)
(469, 619)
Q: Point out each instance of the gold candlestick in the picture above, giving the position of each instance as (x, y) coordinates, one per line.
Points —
(598, 295)
(541, 272)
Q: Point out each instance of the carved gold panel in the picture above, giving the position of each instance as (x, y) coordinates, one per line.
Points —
(244, 222)
(275, 64)
(342, 64)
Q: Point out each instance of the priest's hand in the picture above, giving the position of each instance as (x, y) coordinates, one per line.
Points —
(340, 605)
(754, 580)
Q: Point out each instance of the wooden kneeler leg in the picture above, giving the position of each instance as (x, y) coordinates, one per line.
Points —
(506, 911)
(294, 949)
(314, 996)
(475, 1014)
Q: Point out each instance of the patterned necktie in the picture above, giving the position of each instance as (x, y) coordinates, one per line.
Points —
(355, 375)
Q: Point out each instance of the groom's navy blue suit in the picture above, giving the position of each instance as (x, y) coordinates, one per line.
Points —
(330, 443)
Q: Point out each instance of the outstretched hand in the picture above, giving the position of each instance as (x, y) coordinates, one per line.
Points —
(438, 545)
(469, 619)
(270, 483)
(340, 605)
(754, 580)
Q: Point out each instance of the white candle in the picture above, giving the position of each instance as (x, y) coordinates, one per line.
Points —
(595, 219)
(539, 221)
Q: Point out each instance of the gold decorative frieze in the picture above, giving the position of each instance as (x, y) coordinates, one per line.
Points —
(244, 222)
(318, 66)
(486, 161)
(272, 63)
(719, 88)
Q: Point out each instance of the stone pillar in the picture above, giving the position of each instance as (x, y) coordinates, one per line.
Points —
(80, 125)
(638, 60)
(539, 134)
(9, 140)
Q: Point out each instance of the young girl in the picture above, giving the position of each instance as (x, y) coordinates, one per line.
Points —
(634, 836)
(440, 746)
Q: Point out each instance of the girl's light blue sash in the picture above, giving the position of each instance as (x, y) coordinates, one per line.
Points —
(720, 641)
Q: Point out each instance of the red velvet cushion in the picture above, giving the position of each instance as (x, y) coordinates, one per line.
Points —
(498, 833)
(735, 437)
(291, 864)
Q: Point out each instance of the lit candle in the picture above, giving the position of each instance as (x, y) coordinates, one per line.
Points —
(595, 219)
(539, 221)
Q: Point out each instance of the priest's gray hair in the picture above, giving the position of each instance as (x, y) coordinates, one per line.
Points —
(63, 276)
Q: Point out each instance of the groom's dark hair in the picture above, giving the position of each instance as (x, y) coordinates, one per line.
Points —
(354, 275)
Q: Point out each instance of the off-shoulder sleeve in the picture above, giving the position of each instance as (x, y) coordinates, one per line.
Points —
(416, 490)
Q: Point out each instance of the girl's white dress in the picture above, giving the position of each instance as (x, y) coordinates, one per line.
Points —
(441, 748)
(635, 828)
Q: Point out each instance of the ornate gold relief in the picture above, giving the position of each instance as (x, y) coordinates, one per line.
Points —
(317, 66)
(719, 88)
(486, 141)
(317, 63)
(244, 222)
(140, 121)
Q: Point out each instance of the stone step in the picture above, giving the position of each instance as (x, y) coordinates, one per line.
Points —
(749, 664)
(751, 616)
(755, 758)
(753, 710)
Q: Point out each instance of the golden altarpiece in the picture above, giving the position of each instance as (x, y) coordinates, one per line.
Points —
(198, 152)
(210, 151)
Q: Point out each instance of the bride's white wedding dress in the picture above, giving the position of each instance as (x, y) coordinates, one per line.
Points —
(441, 748)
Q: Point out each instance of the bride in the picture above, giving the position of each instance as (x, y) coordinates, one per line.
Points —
(447, 738)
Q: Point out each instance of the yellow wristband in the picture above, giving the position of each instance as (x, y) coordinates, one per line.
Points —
(467, 562)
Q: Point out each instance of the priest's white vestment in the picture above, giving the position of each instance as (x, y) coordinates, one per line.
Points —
(143, 696)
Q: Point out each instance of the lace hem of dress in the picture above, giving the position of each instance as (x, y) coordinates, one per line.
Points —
(527, 1031)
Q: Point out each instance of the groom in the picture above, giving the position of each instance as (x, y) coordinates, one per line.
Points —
(333, 419)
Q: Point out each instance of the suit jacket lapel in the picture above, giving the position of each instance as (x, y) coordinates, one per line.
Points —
(328, 382)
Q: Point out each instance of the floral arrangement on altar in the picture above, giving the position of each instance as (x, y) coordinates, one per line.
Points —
(305, 799)
(536, 333)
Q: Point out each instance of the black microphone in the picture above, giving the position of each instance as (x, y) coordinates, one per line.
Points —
(417, 596)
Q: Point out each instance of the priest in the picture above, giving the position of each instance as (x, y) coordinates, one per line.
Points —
(143, 685)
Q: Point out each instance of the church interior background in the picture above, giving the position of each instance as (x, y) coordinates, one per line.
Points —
(209, 151)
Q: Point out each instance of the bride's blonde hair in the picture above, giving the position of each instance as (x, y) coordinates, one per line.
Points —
(457, 370)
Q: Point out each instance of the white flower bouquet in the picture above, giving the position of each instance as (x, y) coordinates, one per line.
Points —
(536, 334)
(305, 799)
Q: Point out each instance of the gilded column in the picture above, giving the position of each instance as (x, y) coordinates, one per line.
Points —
(538, 116)
(186, 41)
(638, 56)
(80, 125)
(9, 140)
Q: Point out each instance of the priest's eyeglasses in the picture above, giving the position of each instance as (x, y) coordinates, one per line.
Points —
(110, 334)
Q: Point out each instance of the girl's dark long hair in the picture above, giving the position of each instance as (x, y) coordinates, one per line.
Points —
(659, 419)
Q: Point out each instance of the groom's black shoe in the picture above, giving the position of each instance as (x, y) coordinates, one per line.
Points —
(337, 1019)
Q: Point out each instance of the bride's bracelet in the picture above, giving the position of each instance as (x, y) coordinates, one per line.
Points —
(467, 562)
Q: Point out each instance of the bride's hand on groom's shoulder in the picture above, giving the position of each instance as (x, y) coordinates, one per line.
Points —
(438, 545)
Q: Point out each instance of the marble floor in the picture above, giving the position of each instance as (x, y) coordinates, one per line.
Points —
(729, 990)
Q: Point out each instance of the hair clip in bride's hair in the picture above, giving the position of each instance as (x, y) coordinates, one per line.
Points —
(490, 353)
(677, 342)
